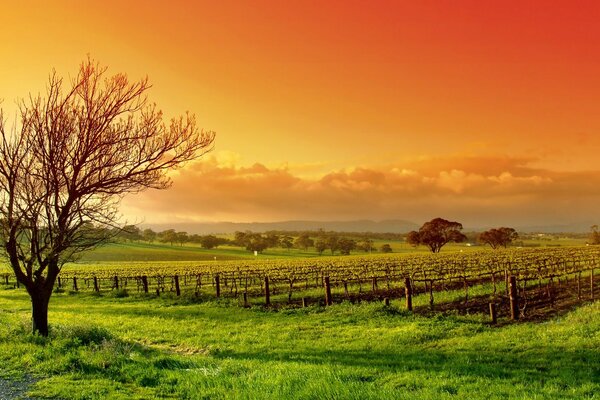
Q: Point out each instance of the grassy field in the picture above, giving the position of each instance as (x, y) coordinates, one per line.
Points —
(139, 251)
(140, 347)
(118, 345)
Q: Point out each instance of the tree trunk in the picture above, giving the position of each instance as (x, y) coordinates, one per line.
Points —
(39, 305)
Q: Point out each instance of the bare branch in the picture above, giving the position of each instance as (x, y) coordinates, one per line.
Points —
(78, 150)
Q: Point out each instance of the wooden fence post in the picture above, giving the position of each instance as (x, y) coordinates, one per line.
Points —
(514, 298)
(145, 283)
(493, 315)
(267, 292)
(592, 285)
(96, 287)
(304, 302)
(177, 289)
(328, 300)
(116, 278)
(386, 301)
(75, 288)
(408, 292)
(218, 285)
(246, 305)
(431, 294)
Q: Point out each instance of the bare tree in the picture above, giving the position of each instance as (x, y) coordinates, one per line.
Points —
(72, 156)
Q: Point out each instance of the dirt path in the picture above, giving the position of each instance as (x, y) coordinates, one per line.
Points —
(13, 389)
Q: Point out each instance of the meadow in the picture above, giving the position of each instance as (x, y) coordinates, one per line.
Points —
(140, 347)
(141, 251)
(120, 344)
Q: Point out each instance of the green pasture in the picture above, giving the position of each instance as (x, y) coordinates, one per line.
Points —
(140, 251)
(119, 346)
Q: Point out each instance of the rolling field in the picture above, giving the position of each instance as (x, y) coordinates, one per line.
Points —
(126, 344)
(140, 251)
(140, 347)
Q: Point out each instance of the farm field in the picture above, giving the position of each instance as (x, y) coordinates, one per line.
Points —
(140, 251)
(124, 343)
(141, 347)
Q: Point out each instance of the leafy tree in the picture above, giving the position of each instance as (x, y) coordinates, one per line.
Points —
(168, 236)
(436, 233)
(253, 241)
(211, 241)
(194, 238)
(287, 242)
(256, 242)
(498, 237)
(321, 245)
(271, 239)
(71, 156)
(386, 248)
(182, 238)
(366, 244)
(130, 233)
(304, 242)
(333, 243)
(346, 245)
(149, 235)
(240, 238)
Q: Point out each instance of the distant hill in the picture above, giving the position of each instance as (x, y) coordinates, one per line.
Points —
(385, 226)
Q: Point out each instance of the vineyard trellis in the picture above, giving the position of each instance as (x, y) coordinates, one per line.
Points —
(389, 275)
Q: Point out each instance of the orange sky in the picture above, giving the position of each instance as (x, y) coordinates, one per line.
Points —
(486, 112)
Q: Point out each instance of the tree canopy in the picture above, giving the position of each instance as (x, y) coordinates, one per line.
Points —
(436, 233)
(498, 237)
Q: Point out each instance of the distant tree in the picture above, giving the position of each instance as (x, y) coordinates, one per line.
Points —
(498, 237)
(241, 238)
(130, 233)
(321, 245)
(208, 241)
(148, 235)
(194, 238)
(386, 248)
(287, 242)
(346, 245)
(168, 236)
(271, 239)
(256, 242)
(333, 243)
(182, 238)
(594, 235)
(366, 244)
(436, 233)
(304, 241)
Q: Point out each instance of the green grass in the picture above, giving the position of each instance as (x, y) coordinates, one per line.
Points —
(145, 347)
(140, 251)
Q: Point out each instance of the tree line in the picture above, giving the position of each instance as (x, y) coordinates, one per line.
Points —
(434, 234)
(254, 241)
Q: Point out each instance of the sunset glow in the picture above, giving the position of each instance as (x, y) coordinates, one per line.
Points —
(481, 112)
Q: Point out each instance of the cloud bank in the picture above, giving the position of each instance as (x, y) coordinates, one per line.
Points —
(473, 190)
